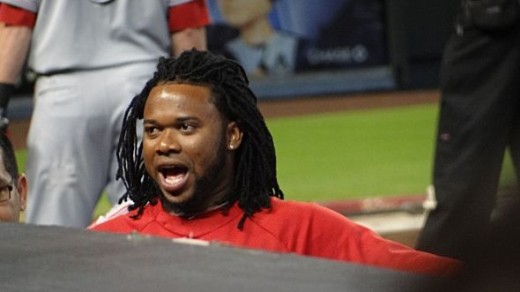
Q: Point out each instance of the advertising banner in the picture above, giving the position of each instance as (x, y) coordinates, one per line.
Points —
(294, 47)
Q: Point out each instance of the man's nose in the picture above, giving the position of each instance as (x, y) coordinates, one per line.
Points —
(168, 142)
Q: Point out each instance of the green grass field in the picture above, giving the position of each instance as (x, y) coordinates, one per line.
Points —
(356, 154)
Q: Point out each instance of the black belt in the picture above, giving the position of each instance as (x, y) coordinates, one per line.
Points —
(488, 14)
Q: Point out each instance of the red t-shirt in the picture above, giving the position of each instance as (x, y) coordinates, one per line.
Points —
(290, 227)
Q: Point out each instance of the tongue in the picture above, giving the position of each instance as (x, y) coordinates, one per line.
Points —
(174, 179)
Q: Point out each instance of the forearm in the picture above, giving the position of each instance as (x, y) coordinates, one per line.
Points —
(14, 45)
(189, 38)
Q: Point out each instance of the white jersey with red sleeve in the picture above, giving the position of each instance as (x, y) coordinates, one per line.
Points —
(91, 34)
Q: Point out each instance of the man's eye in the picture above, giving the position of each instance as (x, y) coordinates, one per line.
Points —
(186, 127)
(151, 130)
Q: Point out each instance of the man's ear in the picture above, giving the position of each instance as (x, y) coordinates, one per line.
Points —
(22, 188)
(234, 136)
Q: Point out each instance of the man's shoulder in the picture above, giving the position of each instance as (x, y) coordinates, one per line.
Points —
(116, 211)
(301, 208)
(305, 212)
(123, 221)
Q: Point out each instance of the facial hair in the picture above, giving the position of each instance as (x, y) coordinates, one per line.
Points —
(203, 186)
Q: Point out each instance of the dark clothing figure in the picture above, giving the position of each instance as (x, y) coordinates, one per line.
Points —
(479, 120)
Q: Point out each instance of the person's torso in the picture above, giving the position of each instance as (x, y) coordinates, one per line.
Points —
(85, 34)
(267, 229)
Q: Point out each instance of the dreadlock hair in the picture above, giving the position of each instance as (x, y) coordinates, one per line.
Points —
(255, 178)
(8, 156)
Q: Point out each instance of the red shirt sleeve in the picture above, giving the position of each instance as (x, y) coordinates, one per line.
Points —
(325, 233)
(11, 15)
(187, 15)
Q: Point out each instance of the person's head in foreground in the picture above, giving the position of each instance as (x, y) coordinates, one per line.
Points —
(13, 186)
(205, 143)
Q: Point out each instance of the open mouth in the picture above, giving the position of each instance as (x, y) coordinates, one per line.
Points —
(173, 178)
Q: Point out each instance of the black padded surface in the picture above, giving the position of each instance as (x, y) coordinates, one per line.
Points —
(37, 258)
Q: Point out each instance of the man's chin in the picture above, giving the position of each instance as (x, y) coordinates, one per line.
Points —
(175, 203)
(182, 204)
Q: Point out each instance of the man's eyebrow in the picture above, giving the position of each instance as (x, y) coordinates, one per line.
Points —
(177, 120)
(187, 118)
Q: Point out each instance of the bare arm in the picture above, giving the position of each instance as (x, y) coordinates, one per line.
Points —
(14, 45)
(187, 39)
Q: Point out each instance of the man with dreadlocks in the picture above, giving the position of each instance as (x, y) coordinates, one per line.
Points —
(206, 169)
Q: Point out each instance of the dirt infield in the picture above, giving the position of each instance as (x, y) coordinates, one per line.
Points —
(348, 102)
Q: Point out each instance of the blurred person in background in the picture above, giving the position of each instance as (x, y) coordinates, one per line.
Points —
(259, 47)
(91, 57)
(479, 120)
(13, 185)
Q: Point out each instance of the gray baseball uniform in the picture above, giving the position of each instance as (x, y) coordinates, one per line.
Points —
(92, 57)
